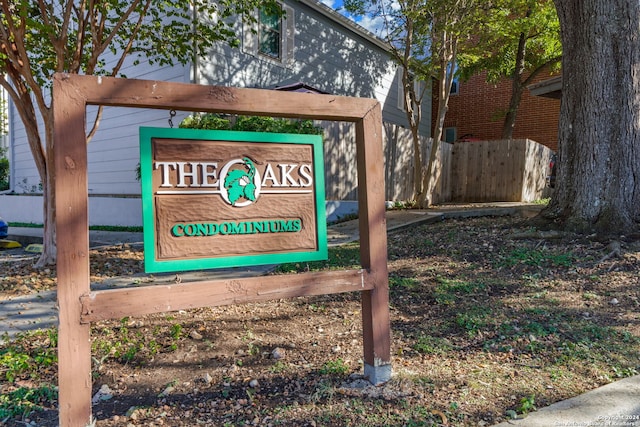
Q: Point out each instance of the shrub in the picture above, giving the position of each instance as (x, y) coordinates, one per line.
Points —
(206, 121)
(212, 121)
(4, 171)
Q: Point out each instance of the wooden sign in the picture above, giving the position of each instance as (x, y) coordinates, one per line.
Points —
(223, 198)
(80, 305)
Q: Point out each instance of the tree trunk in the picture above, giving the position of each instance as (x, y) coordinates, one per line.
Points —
(516, 88)
(445, 79)
(598, 181)
(49, 248)
(432, 172)
(417, 165)
(413, 109)
(512, 112)
(43, 158)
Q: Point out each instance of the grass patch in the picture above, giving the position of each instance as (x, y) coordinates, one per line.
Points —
(91, 227)
(427, 344)
(24, 400)
(344, 218)
(345, 256)
(409, 283)
(116, 228)
(334, 367)
(128, 343)
(542, 202)
(473, 344)
(473, 320)
(29, 356)
(448, 291)
(536, 258)
(25, 225)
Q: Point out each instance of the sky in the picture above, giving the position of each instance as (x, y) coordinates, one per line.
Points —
(373, 25)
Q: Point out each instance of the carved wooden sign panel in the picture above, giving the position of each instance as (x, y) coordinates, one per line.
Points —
(215, 199)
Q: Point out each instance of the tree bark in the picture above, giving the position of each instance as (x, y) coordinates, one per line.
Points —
(42, 155)
(516, 89)
(413, 107)
(598, 181)
(49, 246)
(512, 113)
(433, 169)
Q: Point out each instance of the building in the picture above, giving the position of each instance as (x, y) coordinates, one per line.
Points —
(310, 45)
(477, 108)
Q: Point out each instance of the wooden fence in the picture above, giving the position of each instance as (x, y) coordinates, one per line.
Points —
(474, 171)
(502, 170)
(340, 160)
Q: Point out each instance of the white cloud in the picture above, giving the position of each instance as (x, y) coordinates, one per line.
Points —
(330, 3)
(372, 24)
(375, 25)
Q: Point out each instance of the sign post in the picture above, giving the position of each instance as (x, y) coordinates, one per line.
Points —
(79, 305)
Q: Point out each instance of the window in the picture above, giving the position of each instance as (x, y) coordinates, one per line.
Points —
(454, 86)
(400, 89)
(450, 134)
(455, 83)
(418, 87)
(269, 33)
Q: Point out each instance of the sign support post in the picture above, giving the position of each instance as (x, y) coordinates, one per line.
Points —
(72, 239)
(373, 248)
(79, 306)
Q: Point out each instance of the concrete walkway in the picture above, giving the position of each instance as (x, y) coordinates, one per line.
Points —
(614, 405)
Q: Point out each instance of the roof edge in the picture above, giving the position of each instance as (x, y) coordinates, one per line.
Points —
(347, 23)
(546, 87)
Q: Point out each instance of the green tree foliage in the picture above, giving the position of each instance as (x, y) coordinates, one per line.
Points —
(213, 121)
(206, 121)
(515, 39)
(40, 38)
(4, 171)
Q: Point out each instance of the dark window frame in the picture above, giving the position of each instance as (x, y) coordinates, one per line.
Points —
(270, 34)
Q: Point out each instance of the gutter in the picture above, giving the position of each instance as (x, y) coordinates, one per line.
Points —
(550, 87)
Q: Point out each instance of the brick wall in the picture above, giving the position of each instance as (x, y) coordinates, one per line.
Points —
(479, 107)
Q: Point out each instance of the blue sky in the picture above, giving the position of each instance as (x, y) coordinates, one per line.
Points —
(373, 25)
(334, 4)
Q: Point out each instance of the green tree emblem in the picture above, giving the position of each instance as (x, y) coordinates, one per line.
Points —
(239, 182)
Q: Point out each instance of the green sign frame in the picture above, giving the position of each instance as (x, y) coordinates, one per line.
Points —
(155, 264)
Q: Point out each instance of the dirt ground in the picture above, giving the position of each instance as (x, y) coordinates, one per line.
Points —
(490, 319)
